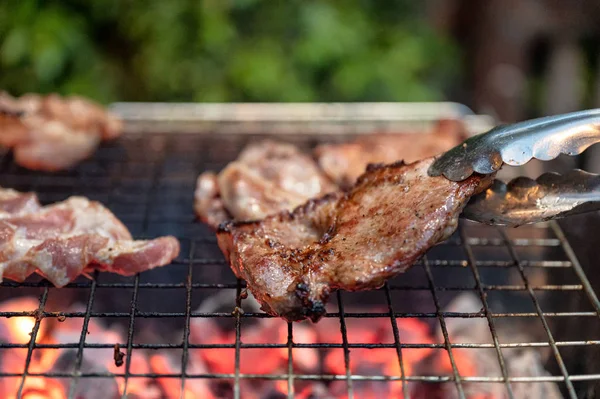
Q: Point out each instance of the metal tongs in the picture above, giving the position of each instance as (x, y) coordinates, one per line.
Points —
(523, 200)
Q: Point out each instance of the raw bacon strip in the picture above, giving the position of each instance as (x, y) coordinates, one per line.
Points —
(76, 236)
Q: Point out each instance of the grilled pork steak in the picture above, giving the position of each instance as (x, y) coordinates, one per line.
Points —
(208, 204)
(69, 238)
(267, 177)
(344, 163)
(53, 133)
(292, 261)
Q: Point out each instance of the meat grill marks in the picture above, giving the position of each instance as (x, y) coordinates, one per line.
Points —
(344, 163)
(266, 178)
(69, 238)
(292, 261)
(53, 133)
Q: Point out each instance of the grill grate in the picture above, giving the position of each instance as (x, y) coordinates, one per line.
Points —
(148, 181)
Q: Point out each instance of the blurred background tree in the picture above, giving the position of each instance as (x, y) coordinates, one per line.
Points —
(225, 50)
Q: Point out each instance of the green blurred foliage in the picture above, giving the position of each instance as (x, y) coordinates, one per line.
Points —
(224, 50)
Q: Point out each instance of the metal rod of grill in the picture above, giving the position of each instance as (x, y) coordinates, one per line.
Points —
(169, 163)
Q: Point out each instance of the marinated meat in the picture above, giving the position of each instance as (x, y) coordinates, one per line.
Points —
(13, 202)
(344, 163)
(208, 204)
(70, 238)
(76, 113)
(269, 177)
(266, 178)
(292, 261)
(53, 133)
(52, 146)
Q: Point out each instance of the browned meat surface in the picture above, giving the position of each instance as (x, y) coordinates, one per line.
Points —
(292, 261)
(266, 178)
(344, 163)
(53, 133)
(69, 238)
(208, 204)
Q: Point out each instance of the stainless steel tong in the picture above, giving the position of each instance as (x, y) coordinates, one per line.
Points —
(523, 200)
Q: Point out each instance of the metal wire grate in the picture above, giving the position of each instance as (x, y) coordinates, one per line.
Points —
(148, 181)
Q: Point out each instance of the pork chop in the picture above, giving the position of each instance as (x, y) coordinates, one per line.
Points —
(266, 178)
(53, 133)
(293, 261)
(344, 163)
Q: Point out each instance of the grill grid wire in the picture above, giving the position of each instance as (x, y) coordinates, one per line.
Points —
(154, 153)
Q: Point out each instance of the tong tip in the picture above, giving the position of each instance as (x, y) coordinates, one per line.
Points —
(544, 138)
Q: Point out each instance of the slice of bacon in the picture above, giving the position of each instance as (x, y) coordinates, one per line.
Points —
(69, 238)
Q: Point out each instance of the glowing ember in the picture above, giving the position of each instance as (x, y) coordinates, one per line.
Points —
(253, 360)
(193, 388)
(329, 359)
(19, 330)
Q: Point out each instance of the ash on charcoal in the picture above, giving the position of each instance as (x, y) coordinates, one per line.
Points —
(276, 395)
(225, 302)
(209, 330)
(484, 363)
(87, 387)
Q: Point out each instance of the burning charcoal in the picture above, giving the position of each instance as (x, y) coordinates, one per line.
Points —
(275, 395)
(378, 361)
(87, 387)
(470, 363)
(165, 363)
(225, 302)
(264, 389)
(366, 390)
(302, 390)
(483, 362)
(39, 387)
(207, 330)
(204, 330)
(17, 330)
(528, 362)
(313, 390)
(305, 359)
(69, 332)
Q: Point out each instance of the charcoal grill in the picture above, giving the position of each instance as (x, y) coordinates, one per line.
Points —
(147, 179)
